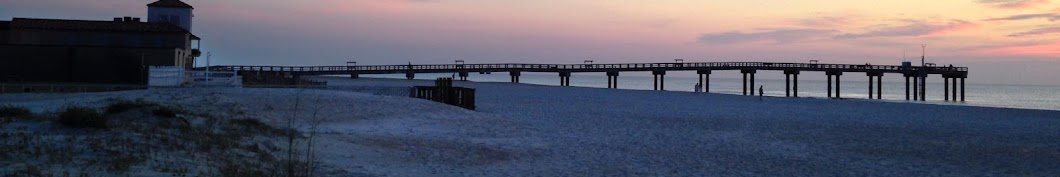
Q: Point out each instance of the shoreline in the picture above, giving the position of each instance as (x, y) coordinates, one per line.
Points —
(427, 82)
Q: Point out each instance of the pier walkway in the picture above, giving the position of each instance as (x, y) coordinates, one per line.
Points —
(917, 74)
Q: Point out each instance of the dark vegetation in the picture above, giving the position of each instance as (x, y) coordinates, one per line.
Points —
(119, 106)
(10, 113)
(14, 111)
(82, 117)
(137, 134)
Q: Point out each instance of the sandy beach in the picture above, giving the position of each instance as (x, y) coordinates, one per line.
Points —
(534, 130)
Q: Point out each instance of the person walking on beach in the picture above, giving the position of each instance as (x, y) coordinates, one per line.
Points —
(697, 88)
(760, 93)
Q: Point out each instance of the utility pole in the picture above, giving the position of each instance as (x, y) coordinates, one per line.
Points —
(923, 72)
(208, 66)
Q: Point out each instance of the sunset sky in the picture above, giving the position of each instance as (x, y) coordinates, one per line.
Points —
(1004, 41)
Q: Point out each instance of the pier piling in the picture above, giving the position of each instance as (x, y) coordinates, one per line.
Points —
(795, 84)
(879, 86)
(660, 79)
(704, 79)
(752, 85)
(787, 85)
(612, 79)
(564, 78)
(837, 83)
(829, 85)
(954, 89)
(744, 83)
(870, 86)
(923, 88)
(515, 76)
(878, 77)
(963, 89)
(916, 88)
(907, 88)
(791, 83)
(946, 89)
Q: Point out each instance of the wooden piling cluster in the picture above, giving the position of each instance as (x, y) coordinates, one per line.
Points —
(268, 78)
(444, 92)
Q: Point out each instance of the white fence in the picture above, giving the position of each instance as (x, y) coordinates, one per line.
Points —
(175, 76)
(165, 76)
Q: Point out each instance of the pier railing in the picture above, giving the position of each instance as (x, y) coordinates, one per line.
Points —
(916, 74)
(518, 66)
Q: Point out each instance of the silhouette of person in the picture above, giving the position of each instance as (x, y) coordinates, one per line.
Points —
(760, 93)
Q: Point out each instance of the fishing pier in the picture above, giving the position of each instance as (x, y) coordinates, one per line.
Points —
(915, 76)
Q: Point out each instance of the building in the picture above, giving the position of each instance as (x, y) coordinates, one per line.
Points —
(114, 51)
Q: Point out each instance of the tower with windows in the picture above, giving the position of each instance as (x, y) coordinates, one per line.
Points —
(170, 11)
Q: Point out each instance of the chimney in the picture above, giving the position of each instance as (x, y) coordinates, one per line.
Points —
(127, 19)
(117, 19)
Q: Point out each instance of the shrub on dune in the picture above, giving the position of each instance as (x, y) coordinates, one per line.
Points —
(120, 106)
(9, 112)
(14, 111)
(82, 117)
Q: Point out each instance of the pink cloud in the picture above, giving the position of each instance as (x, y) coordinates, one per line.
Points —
(379, 6)
(1037, 50)
(913, 28)
(1037, 32)
(776, 36)
(828, 20)
(1013, 4)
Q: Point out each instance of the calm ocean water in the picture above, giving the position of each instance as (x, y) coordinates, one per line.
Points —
(811, 84)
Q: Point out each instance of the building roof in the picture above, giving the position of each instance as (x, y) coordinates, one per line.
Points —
(170, 3)
(89, 25)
